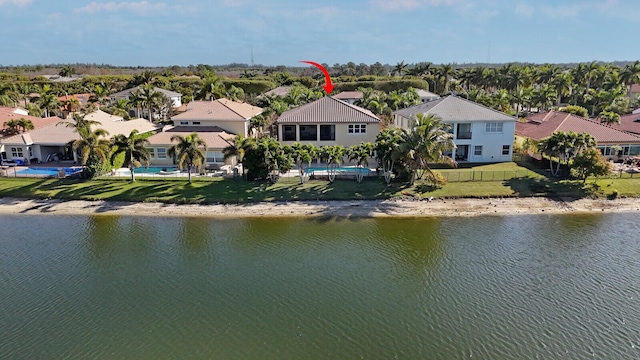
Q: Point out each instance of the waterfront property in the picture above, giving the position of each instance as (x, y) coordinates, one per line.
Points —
(481, 134)
(612, 142)
(328, 121)
(52, 141)
(231, 116)
(17, 148)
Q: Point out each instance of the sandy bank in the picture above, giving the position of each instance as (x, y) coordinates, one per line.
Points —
(378, 208)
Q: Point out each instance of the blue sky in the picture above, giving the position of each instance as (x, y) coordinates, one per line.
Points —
(282, 32)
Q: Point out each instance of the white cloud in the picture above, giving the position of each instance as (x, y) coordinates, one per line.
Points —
(16, 2)
(524, 10)
(141, 7)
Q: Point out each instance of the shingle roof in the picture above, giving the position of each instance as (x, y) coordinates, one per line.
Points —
(213, 136)
(542, 125)
(128, 92)
(453, 108)
(220, 109)
(349, 95)
(328, 110)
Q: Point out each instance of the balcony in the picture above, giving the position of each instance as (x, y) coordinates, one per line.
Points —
(464, 135)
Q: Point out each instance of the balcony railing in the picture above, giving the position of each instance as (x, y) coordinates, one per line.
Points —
(464, 135)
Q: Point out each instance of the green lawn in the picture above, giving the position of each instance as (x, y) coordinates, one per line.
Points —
(288, 189)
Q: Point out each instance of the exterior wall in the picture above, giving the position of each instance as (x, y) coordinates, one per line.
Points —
(491, 143)
(155, 160)
(233, 127)
(342, 136)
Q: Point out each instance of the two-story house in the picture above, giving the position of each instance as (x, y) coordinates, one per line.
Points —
(481, 134)
(216, 122)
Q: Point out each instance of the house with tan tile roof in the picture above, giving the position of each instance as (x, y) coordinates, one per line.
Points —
(328, 121)
(8, 114)
(215, 137)
(481, 134)
(52, 141)
(540, 126)
(231, 116)
(349, 96)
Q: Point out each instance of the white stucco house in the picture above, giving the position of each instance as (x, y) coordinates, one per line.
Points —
(481, 134)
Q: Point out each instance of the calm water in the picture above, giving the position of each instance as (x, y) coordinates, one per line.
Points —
(548, 287)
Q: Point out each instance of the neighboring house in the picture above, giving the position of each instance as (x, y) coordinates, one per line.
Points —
(83, 100)
(540, 126)
(349, 97)
(629, 123)
(280, 91)
(52, 141)
(427, 95)
(58, 78)
(328, 121)
(215, 138)
(175, 97)
(231, 116)
(8, 114)
(635, 91)
(481, 134)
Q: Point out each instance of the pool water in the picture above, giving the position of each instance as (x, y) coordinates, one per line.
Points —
(48, 171)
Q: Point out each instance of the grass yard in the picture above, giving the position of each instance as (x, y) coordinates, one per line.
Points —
(287, 189)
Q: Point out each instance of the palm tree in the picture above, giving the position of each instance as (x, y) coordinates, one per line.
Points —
(631, 75)
(120, 108)
(67, 71)
(12, 126)
(609, 118)
(25, 124)
(238, 147)
(79, 123)
(445, 73)
(426, 142)
(92, 143)
(212, 88)
(134, 148)
(563, 85)
(360, 154)
(188, 152)
(303, 154)
(386, 149)
(332, 155)
(48, 100)
(150, 98)
(400, 68)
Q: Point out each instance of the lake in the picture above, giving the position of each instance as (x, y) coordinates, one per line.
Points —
(510, 287)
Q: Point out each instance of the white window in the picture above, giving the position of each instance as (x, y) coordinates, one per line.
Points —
(161, 153)
(506, 149)
(493, 127)
(152, 152)
(357, 128)
(215, 156)
(477, 150)
(16, 152)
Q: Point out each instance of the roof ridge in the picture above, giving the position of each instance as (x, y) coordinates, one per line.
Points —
(476, 103)
(228, 107)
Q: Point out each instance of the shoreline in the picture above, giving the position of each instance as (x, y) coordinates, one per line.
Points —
(464, 207)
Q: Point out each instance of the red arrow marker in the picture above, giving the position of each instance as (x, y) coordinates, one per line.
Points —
(328, 87)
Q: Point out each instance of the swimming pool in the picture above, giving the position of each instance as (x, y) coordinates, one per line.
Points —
(48, 172)
(342, 169)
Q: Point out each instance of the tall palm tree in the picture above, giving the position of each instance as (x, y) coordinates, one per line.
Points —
(134, 148)
(630, 75)
(386, 150)
(48, 101)
(92, 143)
(332, 155)
(79, 123)
(445, 73)
(563, 85)
(188, 152)
(212, 88)
(400, 68)
(426, 142)
(150, 98)
(25, 124)
(237, 148)
(303, 154)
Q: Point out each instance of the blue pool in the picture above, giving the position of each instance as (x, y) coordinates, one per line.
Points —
(340, 169)
(48, 171)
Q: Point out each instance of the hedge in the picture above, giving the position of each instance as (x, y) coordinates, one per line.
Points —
(385, 86)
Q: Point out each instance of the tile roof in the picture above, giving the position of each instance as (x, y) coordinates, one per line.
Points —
(213, 136)
(542, 125)
(53, 134)
(220, 109)
(328, 110)
(83, 99)
(629, 123)
(7, 114)
(128, 92)
(349, 95)
(453, 108)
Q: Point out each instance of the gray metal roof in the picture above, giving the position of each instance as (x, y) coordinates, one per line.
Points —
(453, 108)
(328, 110)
